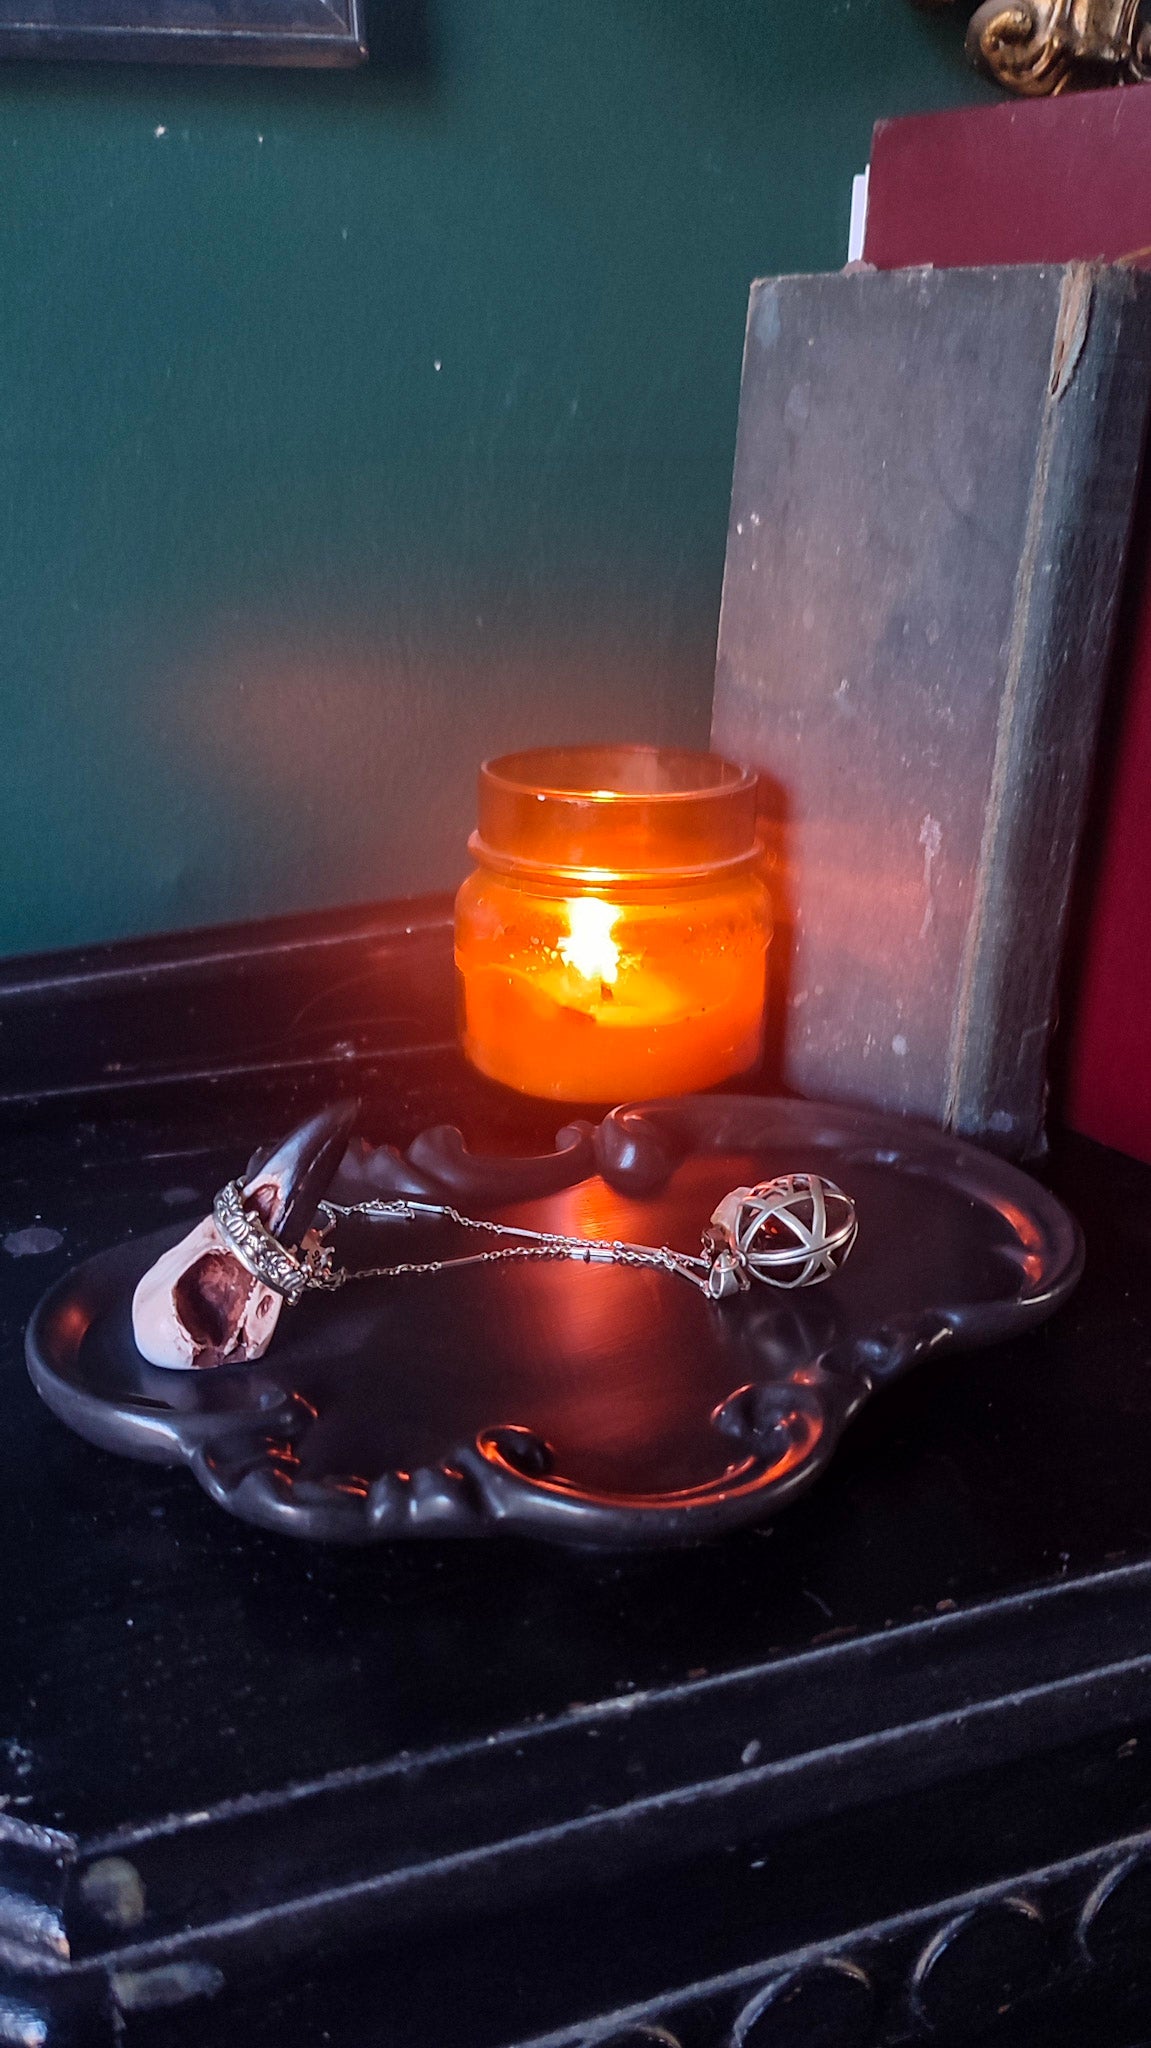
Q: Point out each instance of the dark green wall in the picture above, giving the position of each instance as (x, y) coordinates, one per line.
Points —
(353, 426)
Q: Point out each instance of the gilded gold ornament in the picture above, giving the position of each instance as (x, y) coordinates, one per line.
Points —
(1041, 47)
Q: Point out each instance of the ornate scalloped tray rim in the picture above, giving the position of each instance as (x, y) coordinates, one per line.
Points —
(503, 1478)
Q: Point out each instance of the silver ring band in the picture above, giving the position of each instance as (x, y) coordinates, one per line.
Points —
(248, 1236)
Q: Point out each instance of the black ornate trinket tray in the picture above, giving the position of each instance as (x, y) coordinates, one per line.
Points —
(582, 1404)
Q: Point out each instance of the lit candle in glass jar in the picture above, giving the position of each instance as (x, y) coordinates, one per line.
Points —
(611, 941)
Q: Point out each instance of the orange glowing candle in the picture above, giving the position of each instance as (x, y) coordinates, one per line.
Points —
(611, 941)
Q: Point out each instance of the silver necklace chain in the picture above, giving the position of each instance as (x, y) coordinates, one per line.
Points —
(532, 1244)
(743, 1240)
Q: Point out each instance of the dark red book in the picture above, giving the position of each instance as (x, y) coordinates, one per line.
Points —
(1028, 181)
(1035, 182)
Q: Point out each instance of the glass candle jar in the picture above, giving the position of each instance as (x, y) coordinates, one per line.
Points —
(610, 943)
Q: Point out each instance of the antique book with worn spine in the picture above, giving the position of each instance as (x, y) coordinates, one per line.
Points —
(1045, 181)
(934, 482)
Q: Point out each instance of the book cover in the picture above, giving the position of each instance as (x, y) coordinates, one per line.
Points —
(1042, 181)
(934, 481)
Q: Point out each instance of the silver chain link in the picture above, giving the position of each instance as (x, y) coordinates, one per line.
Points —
(542, 1244)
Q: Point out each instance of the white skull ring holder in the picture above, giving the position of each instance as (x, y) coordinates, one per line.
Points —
(215, 1298)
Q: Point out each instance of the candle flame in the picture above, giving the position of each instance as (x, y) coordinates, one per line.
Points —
(589, 946)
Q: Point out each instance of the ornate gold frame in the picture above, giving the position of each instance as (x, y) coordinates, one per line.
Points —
(1048, 46)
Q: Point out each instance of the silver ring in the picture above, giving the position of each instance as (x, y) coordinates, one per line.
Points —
(246, 1234)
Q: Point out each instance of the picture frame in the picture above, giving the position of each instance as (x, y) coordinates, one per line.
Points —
(271, 32)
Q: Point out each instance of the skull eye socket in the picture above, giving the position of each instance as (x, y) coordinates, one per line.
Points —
(210, 1298)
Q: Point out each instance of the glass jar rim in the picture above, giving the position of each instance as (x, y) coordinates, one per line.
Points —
(537, 771)
(596, 813)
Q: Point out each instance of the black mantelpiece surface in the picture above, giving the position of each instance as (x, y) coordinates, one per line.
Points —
(209, 1651)
(160, 1659)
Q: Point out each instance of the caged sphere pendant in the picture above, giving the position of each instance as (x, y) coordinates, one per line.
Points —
(793, 1231)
